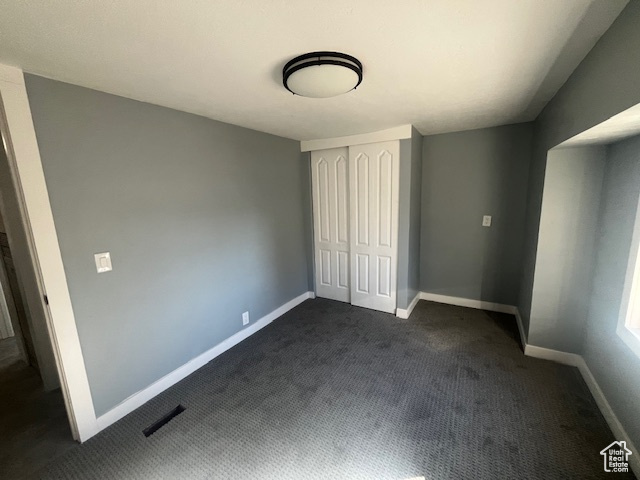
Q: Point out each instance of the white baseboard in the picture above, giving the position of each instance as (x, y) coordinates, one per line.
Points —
(480, 305)
(578, 361)
(140, 398)
(143, 396)
(402, 313)
(607, 412)
(553, 355)
(467, 302)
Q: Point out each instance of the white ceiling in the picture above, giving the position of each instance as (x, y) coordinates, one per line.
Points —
(624, 124)
(442, 65)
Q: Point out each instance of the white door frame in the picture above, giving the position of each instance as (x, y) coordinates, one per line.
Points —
(19, 138)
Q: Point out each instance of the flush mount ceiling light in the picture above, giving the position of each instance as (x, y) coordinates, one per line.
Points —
(322, 74)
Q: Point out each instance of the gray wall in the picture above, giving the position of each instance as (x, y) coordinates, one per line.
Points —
(307, 205)
(611, 361)
(409, 219)
(404, 196)
(203, 220)
(415, 213)
(466, 175)
(604, 84)
(566, 247)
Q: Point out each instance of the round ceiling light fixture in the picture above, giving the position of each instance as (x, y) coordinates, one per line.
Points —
(322, 74)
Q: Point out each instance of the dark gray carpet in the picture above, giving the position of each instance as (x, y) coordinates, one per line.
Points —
(335, 391)
(33, 423)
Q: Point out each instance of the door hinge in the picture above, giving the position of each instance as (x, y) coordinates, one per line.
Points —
(46, 300)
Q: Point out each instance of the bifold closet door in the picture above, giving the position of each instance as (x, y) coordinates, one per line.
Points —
(330, 186)
(374, 182)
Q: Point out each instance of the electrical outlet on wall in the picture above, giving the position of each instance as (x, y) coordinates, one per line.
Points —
(103, 262)
(245, 318)
(486, 221)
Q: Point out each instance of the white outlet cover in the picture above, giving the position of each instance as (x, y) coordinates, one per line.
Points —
(486, 221)
(245, 318)
(103, 262)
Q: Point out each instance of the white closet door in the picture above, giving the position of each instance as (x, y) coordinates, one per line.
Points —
(374, 174)
(330, 185)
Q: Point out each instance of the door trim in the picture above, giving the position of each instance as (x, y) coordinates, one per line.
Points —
(18, 135)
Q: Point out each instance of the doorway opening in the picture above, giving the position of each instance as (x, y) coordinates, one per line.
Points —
(33, 420)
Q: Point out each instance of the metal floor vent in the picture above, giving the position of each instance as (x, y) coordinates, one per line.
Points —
(157, 425)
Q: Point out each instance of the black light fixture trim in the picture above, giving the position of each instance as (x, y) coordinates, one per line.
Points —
(316, 58)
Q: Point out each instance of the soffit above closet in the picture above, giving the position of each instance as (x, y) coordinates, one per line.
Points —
(440, 65)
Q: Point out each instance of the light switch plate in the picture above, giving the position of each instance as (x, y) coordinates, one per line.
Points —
(103, 262)
(486, 221)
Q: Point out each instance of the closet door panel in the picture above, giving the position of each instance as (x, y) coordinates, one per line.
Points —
(362, 273)
(342, 200)
(330, 183)
(343, 270)
(374, 205)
